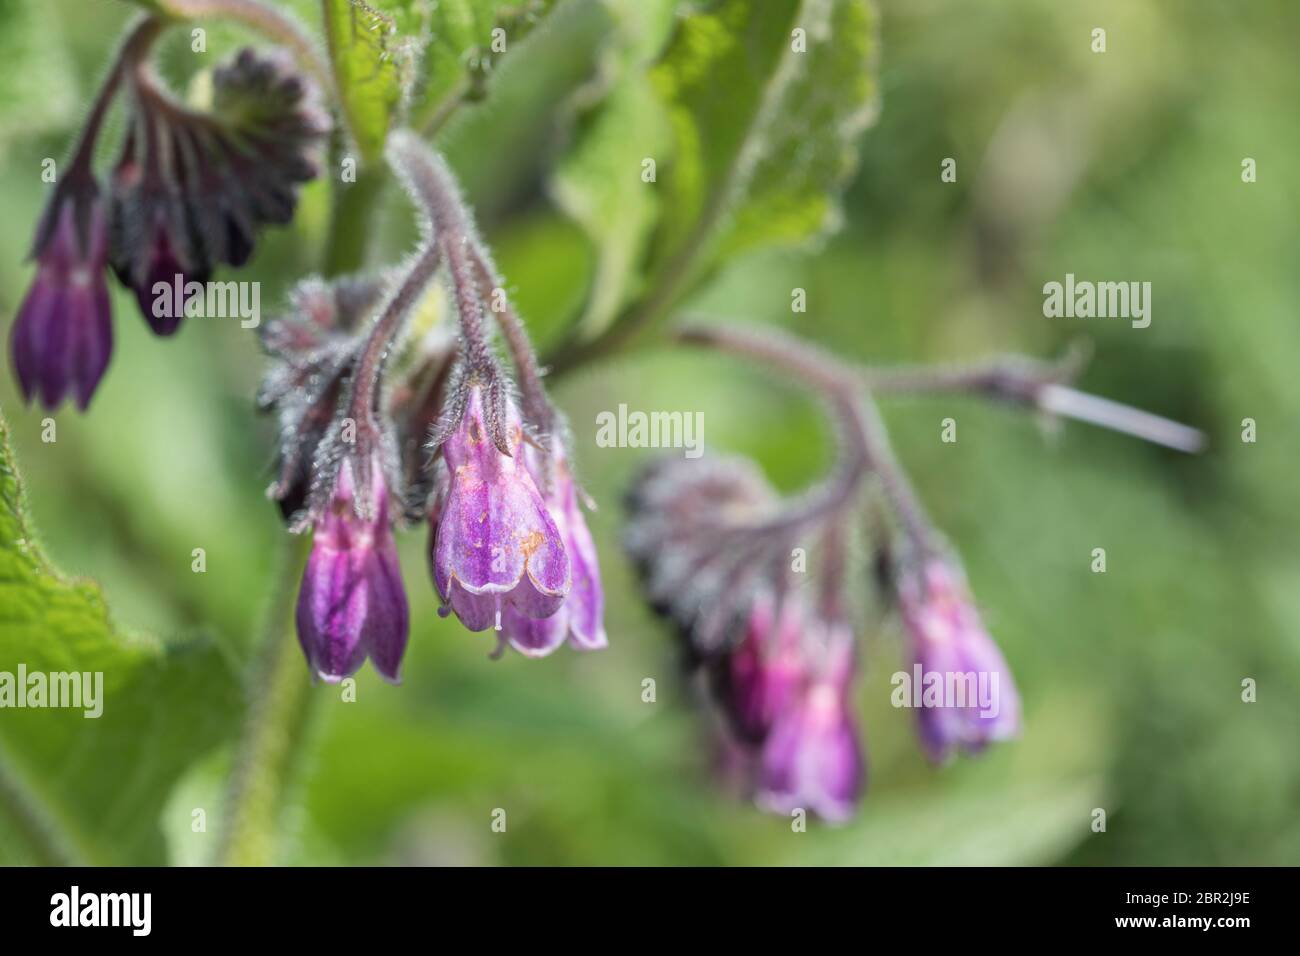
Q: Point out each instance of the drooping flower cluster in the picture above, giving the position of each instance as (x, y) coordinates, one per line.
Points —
(713, 543)
(189, 191)
(504, 554)
(376, 429)
(718, 551)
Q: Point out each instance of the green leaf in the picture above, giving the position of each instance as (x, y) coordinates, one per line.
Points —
(765, 135)
(600, 183)
(807, 149)
(413, 62)
(374, 55)
(462, 51)
(498, 148)
(91, 789)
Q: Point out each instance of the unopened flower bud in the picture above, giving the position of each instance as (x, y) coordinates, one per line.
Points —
(949, 641)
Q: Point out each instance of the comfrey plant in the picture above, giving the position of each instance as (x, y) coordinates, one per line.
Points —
(714, 544)
(374, 430)
(389, 417)
(189, 191)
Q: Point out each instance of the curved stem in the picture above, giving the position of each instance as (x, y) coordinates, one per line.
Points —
(385, 330)
(281, 704)
(279, 707)
(433, 188)
(139, 38)
(469, 307)
(537, 406)
(868, 452)
(263, 18)
(1044, 386)
(1014, 378)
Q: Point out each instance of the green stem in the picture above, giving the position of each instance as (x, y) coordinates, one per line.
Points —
(281, 702)
(355, 207)
(49, 843)
(437, 118)
(279, 711)
(575, 351)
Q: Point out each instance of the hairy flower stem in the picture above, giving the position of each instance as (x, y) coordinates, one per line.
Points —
(469, 307)
(281, 699)
(431, 184)
(263, 18)
(139, 39)
(1040, 385)
(536, 405)
(867, 448)
(385, 331)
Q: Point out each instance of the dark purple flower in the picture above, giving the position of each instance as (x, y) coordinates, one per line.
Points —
(949, 641)
(496, 544)
(192, 190)
(757, 680)
(811, 759)
(314, 352)
(63, 335)
(581, 617)
(352, 604)
(691, 533)
(163, 289)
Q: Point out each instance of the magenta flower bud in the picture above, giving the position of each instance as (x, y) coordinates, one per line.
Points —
(759, 678)
(192, 190)
(580, 618)
(811, 759)
(352, 604)
(63, 335)
(967, 696)
(496, 544)
(163, 291)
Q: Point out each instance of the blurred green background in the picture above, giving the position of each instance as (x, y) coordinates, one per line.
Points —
(1121, 166)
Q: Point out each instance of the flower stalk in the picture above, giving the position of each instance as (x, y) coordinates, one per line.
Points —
(713, 542)
(263, 18)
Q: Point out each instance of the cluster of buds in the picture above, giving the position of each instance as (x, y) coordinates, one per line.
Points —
(772, 642)
(189, 191)
(713, 543)
(378, 427)
(724, 558)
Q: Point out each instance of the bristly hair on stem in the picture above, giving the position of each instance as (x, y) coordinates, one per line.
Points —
(450, 227)
(866, 450)
(848, 390)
